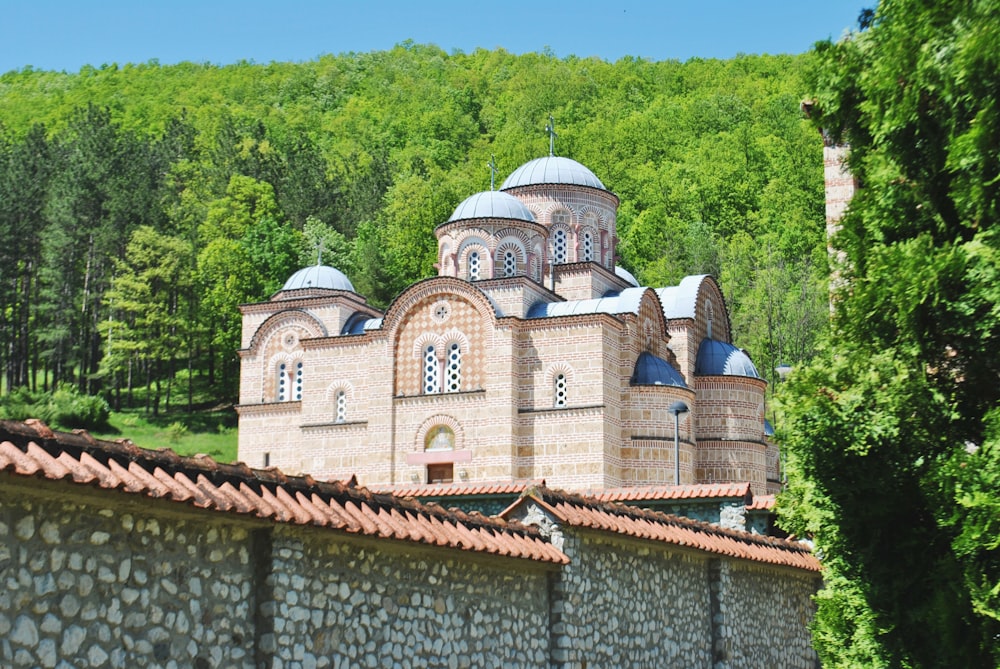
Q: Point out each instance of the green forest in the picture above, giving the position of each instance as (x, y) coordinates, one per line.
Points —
(141, 204)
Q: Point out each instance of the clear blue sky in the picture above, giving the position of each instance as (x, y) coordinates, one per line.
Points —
(67, 34)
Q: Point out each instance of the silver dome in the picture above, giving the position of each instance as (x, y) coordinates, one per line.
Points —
(492, 204)
(552, 170)
(318, 276)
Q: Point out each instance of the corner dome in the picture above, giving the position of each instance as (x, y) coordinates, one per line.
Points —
(653, 371)
(623, 273)
(492, 204)
(318, 276)
(552, 170)
(717, 358)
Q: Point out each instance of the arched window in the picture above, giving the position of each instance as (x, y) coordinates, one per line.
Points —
(453, 378)
(588, 245)
(509, 263)
(432, 381)
(283, 382)
(559, 246)
(559, 390)
(474, 265)
(289, 382)
(341, 406)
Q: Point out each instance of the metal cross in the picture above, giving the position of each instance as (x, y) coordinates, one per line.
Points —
(493, 170)
(551, 129)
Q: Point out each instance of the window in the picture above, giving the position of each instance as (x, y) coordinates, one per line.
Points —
(454, 368)
(509, 263)
(441, 473)
(289, 385)
(432, 382)
(588, 245)
(559, 247)
(559, 390)
(474, 266)
(341, 406)
(283, 382)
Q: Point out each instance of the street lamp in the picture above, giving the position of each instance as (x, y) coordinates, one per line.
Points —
(677, 408)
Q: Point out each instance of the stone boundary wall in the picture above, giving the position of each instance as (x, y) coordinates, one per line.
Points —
(96, 578)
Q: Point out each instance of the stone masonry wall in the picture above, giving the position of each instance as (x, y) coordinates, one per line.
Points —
(640, 607)
(97, 586)
(377, 607)
(101, 579)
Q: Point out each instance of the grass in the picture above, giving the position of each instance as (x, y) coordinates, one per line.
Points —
(212, 433)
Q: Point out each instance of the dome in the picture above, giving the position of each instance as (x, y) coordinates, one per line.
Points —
(653, 371)
(768, 428)
(627, 275)
(492, 204)
(717, 358)
(552, 170)
(318, 276)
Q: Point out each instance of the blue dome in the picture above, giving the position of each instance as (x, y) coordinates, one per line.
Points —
(653, 371)
(318, 276)
(717, 358)
(768, 428)
(492, 204)
(552, 170)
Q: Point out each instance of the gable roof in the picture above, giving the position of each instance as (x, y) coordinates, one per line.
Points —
(32, 450)
(581, 512)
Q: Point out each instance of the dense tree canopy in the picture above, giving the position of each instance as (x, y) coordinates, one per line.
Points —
(892, 431)
(237, 172)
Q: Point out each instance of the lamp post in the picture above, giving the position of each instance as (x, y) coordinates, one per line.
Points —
(677, 408)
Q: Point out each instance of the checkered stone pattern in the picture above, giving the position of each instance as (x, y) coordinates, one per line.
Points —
(422, 324)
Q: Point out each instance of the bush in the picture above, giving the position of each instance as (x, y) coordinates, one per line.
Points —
(63, 408)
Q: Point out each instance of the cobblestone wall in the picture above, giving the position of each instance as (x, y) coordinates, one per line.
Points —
(360, 607)
(90, 586)
(643, 607)
(101, 581)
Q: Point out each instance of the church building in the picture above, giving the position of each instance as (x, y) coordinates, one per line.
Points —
(529, 356)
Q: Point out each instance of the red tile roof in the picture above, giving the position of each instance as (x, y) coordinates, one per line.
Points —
(761, 503)
(582, 512)
(455, 489)
(31, 449)
(671, 492)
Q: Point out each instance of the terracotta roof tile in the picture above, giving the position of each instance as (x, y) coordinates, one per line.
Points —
(462, 489)
(31, 449)
(590, 513)
(668, 492)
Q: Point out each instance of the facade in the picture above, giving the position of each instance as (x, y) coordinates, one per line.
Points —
(529, 356)
(116, 556)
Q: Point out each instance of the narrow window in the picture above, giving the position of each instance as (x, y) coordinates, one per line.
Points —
(454, 378)
(282, 382)
(474, 266)
(341, 406)
(560, 390)
(267, 459)
(298, 382)
(432, 383)
(509, 263)
(588, 246)
(559, 247)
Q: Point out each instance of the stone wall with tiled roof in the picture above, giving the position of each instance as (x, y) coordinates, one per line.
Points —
(116, 555)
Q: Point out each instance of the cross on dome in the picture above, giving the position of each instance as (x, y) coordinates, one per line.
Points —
(551, 129)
